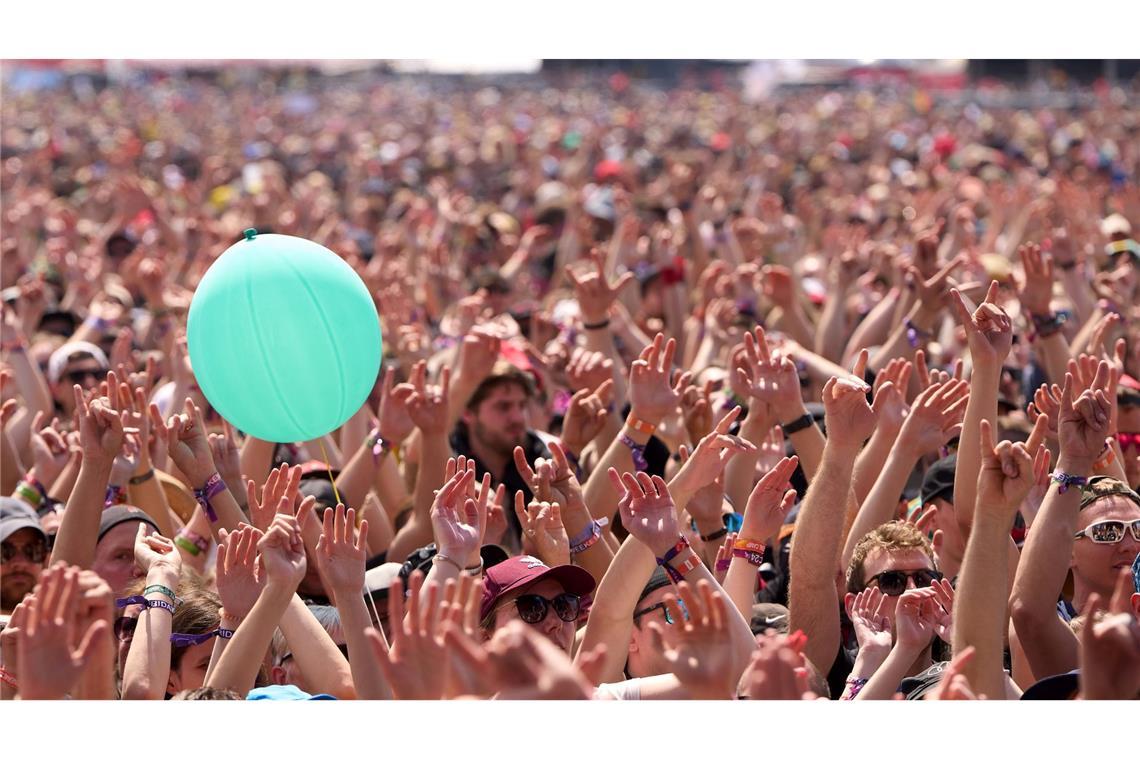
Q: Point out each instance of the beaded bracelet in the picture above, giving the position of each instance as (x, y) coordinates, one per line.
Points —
(856, 685)
(746, 548)
(914, 332)
(213, 487)
(636, 451)
(448, 560)
(9, 679)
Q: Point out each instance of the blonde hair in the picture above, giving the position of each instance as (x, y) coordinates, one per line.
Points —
(895, 536)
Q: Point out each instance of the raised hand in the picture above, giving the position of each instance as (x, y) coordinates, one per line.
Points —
(850, 419)
(593, 290)
(394, 422)
(770, 501)
(50, 451)
(544, 535)
(477, 354)
(455, 517)
(770, 380)
(226, 454)
(156, 552)
(52, 647)
(188, 444)
(1046, 404)
(954, 685)
(696, 408)
(342, 551)
(1084, 421)
(587, 370)
(776, 671)
(1036, 288)
(415, 662)
(427, 404)
(872, 626)
(239, 577)
(935, 417)
(711, 456)
(100, 429)
(699, 650)
(651, 396)
(647, 510)
(1006, 475)
(586, 416)
(916, 620)
(282, 549)
(1110, 645)
(283, 482)
(989, 330)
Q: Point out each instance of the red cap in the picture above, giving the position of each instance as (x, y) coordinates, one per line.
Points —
(519, 572)
(607, 169)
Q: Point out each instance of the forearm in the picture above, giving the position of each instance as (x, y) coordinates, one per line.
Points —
(75, 541)
(875, 328)
(869, 464)
(150, 498)
(615, 601)
(812, 600)
(740, 472)
(239, 662)
(602, 341)
(367, 677)
(147, 669)
(433, 461)
(98, 678)
(981, 603)
(315, 653)
(356, 429)
(1076, 286)
(389, 485)
(599, 493)
(886, 680)
(256, 458)
(832, 327)
(356, 478)
(981, 406)
(597, 558)
(61, 489)
(11, 471)
(32, 386)
(879, 506)
(1053, 352)
(867, 663)
(795, 323)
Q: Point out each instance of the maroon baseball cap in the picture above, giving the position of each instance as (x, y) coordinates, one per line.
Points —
(518, 572)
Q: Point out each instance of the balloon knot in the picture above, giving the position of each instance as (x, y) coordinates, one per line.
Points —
(250, 234)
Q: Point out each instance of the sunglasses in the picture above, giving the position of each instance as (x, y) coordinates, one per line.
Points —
(125, 628)
(76, 375)
(533, 608)
(32, 552)
(1128, 439)
(893, 582)
(1109, 531)
(669, 620)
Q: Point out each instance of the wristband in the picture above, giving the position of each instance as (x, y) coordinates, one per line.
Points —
(379, 445)
(140, 479)
(856, 685)
(597, 325)
(448, 560)
(1064, 480)
(183, 543)
(914, 332)
(677, 574)
(9, 679)
(190, 639)
(475, 570)
(1067, 266)
(158, 588)
(27, 492)
(802, 422)
(213, 487)
(1048, 325)
(97, 323)
(746, 548)
(723, 564)
(14, 346)
(715, 535)
(159, 604)
(115, 495)
(639, 425)
(637, 451)
(572, 459)
(1106, 459)
(587, 538)
(201, 543)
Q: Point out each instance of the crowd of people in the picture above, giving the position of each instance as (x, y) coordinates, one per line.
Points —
(835, 395)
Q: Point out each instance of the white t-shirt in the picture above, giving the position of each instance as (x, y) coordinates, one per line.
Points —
(622, 690)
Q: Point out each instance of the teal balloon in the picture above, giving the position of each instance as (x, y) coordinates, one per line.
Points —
(284, 338)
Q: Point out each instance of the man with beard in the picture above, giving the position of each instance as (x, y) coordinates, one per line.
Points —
(493, 424)
(24, 551)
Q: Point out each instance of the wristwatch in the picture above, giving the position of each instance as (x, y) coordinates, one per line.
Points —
(798, 424)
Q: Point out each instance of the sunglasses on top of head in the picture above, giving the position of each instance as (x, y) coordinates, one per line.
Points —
(893, 582)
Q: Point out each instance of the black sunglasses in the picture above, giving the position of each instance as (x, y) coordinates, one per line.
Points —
(76, 375)
(32, 552)
(534, 608)
(661, 606)
(125, 628)
(893, 582)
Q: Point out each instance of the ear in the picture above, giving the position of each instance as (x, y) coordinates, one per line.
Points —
(848, 600)
(277, 675)
(1136, 604)
(174, 681)
(634, 639)
(468, 416)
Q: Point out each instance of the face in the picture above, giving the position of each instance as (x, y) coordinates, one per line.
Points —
(552, 627)
(500, 421)
(285, 670)
(643, 659)
(23, 560)
(946, 521)
(1128, 421)
(880, 561)
(191, 672)
(115, 556)
(1098, 565)
(82, 370)
(124, 628)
